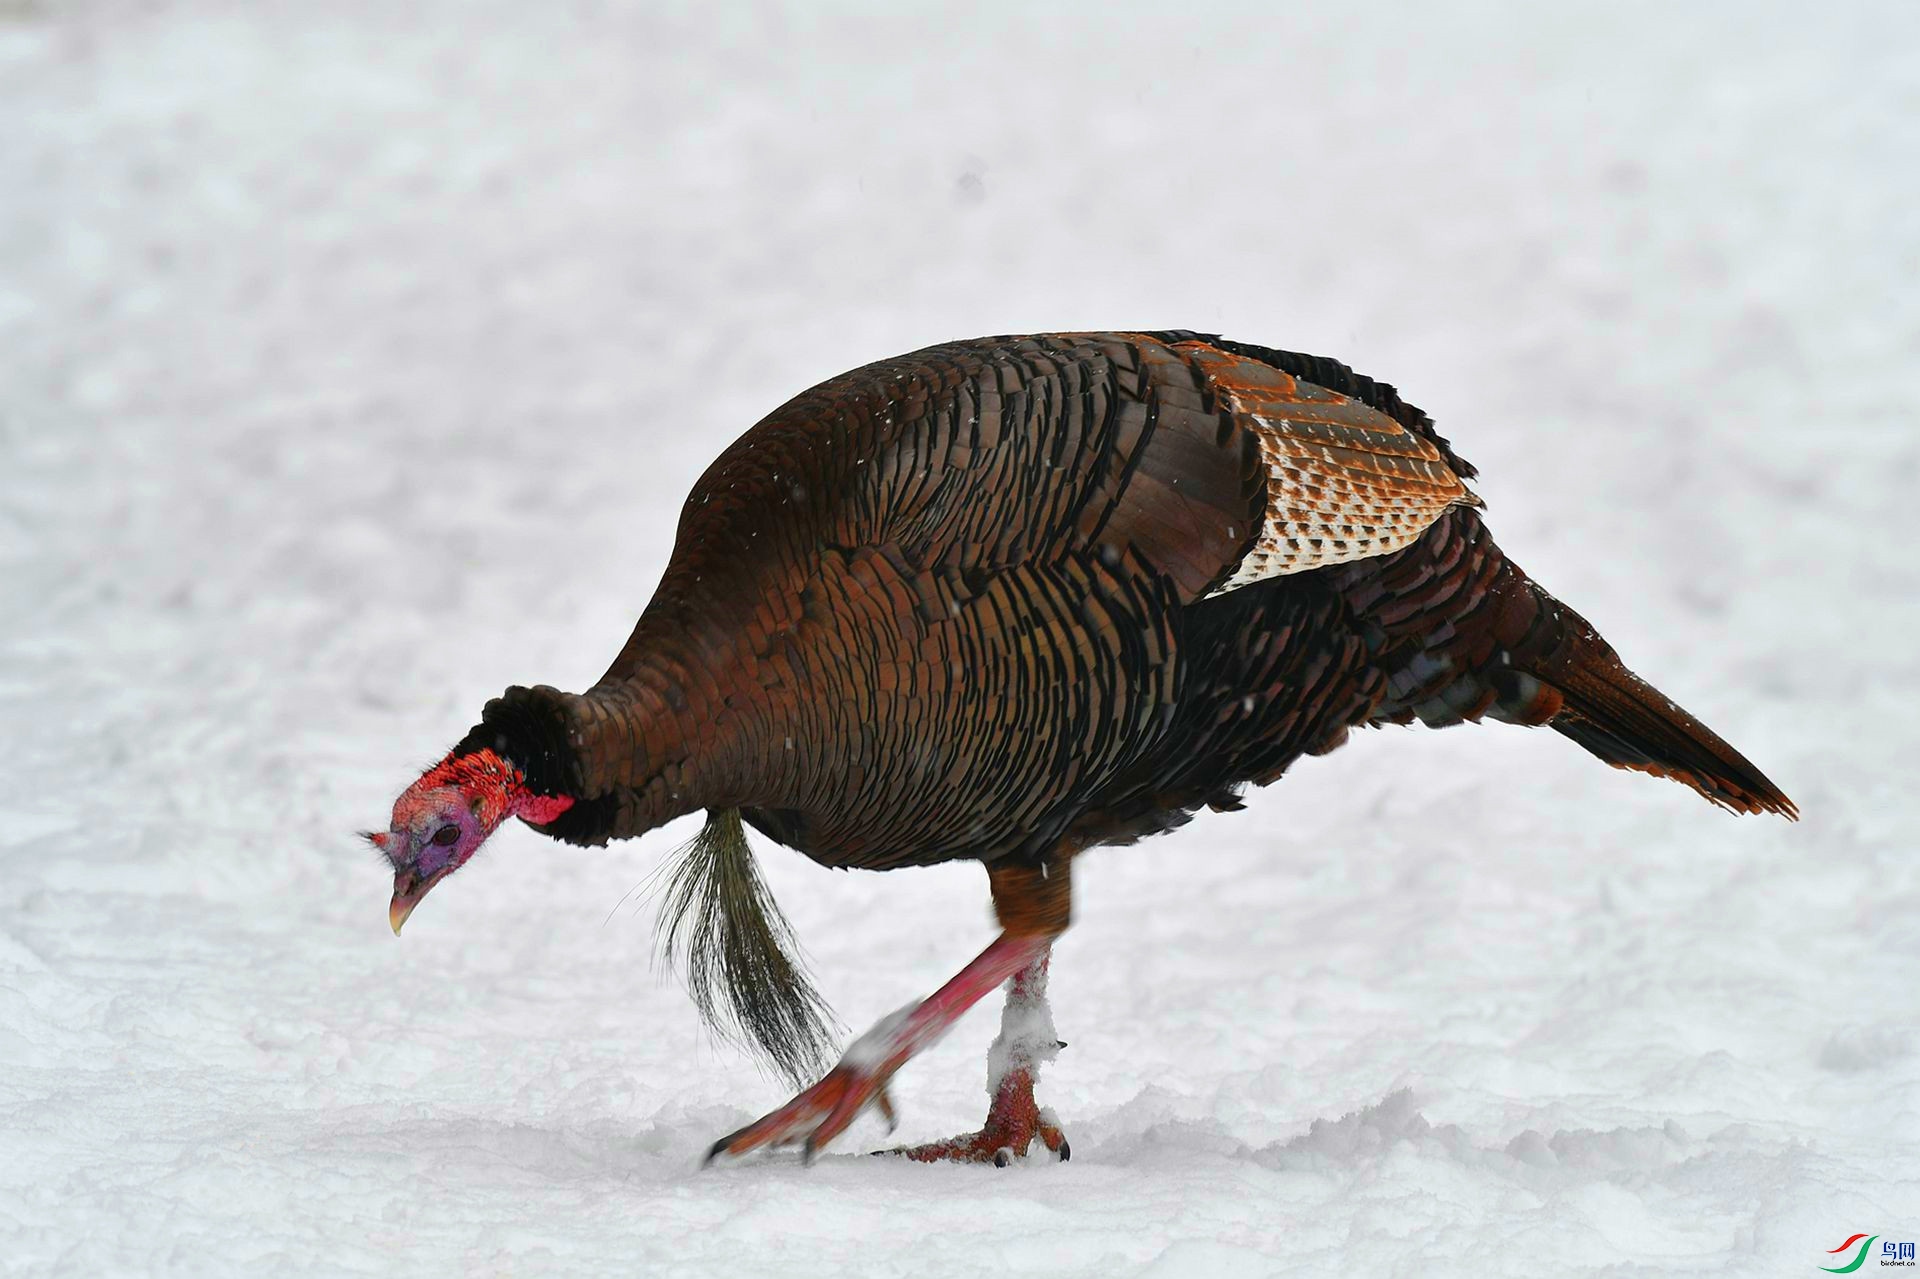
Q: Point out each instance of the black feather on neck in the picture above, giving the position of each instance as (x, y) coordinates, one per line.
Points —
(530, 728)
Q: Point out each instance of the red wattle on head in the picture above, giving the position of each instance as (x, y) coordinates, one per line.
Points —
(540, 809)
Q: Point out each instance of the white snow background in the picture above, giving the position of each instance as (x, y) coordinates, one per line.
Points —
(355, 359)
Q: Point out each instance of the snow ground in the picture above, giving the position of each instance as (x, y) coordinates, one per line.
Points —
(354, 359)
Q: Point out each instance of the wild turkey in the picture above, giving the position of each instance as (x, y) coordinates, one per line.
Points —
(1007, 600)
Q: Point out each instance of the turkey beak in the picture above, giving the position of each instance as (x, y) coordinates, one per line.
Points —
(408, 889)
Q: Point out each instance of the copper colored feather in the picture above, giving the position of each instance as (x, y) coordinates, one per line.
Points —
(990, 596)
(1010, 598)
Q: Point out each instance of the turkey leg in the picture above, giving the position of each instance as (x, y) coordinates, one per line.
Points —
(1034, 904)
(1014, 1119)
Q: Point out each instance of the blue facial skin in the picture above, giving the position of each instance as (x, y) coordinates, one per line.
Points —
(435, 857)
(442, 842)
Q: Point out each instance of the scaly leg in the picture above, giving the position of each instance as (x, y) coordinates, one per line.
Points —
(1014, 1119)
(1034, 904)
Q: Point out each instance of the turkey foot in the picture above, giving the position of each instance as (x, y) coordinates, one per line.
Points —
(823, 1112)
(1014, 1119)
(1012, 1124)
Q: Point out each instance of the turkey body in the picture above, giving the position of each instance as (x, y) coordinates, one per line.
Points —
(1006, 600)
(1010, 598)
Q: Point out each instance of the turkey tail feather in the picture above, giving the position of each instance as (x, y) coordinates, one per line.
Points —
(1622, 719)
(1461, 633)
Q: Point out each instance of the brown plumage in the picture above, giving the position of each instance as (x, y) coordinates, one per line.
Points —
(1008, 599)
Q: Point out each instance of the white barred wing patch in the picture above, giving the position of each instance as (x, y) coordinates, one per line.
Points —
(1343, 483)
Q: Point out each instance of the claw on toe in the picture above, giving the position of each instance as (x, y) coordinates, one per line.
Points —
(1013, 1125)
(991, 1145)
(814, 1118)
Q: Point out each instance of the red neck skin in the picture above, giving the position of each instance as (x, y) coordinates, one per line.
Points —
(498, 789)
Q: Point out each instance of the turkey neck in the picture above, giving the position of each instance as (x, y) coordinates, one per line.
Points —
(677, 722)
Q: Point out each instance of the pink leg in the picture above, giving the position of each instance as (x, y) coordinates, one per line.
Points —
(824, 1111)
(1014, 1118)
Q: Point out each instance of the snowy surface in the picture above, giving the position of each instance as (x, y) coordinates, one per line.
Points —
(354, 359)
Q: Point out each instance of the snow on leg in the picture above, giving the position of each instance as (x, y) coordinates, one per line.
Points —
(1027, 1040)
